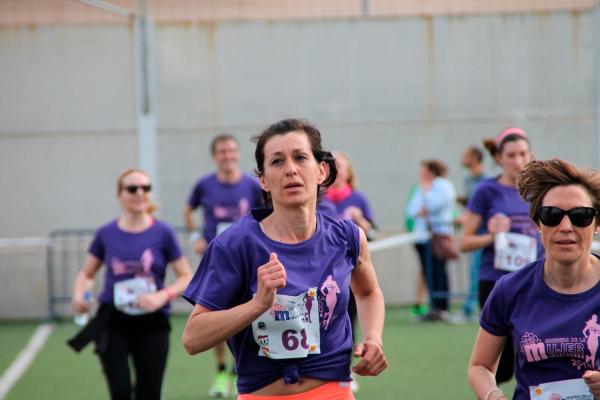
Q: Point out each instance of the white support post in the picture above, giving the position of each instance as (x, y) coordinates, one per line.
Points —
(145, 96)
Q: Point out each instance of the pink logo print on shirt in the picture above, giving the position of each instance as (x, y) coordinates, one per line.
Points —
(141, 267)
(330, 290)
(232, 213)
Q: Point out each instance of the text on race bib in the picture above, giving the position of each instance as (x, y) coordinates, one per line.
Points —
(125, 294)
(571, 389)
(290, 328)
(516, 252)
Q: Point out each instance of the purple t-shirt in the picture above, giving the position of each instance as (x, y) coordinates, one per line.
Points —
(356, 199)
(327, 207)
(128, 255)
(224, 203)
(490, 198)
(226, 277)
(556, 335)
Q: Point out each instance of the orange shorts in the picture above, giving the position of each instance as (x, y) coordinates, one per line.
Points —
(328, 391)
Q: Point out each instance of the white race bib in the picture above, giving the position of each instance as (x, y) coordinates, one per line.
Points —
(126, 293)
(571, 389)
(290, 329)
(518, 251)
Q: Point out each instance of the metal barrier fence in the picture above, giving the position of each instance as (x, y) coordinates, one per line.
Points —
(66, 252)
(394, 259)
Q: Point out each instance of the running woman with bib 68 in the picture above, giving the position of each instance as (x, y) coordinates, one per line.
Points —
(276, 284)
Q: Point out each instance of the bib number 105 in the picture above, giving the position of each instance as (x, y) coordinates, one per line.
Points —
(291, 341)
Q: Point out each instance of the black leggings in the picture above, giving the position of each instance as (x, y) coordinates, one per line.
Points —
(506, 366)
(146, 339)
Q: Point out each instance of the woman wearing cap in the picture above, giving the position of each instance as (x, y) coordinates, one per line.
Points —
(550, 307)
(276, 283)
(510, 239)
(133, 317)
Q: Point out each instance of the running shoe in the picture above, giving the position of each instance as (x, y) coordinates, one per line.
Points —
(220, 386)
(419, 311)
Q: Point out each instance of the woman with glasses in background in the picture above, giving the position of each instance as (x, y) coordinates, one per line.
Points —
(497, 221)
(550, 307)
(133, 316)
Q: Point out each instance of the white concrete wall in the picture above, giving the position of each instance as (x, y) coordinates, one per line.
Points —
(389, 92)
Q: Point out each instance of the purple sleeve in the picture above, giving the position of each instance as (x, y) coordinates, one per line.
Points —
(353, 235)
(478, 201)
(217, 283)
(195, 197)
(97, 247)
(172, 248)
(366, 210)
(493, 315)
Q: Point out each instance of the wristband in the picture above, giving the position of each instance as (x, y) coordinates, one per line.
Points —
(194, 236)
(171, 295)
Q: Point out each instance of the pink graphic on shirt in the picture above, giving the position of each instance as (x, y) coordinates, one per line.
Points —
(147, 259)
(134, 267)
(533, 348)
(330, 290)
(308, 303)
(220, 212)
(591, 332)
(232, 213)
(243, 206)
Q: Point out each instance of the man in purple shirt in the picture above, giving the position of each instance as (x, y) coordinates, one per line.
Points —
(225, 196)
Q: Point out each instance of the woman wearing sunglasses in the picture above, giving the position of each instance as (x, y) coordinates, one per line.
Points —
(497, 221)
(550, 308)
(276, 284)
(132, 319)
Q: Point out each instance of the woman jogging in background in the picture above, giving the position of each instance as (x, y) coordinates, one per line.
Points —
(252, 284)
(133, 317)
(549, 307)
(509, 239)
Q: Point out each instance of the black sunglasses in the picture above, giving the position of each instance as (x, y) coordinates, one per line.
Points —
(579, 216)
(132, 189)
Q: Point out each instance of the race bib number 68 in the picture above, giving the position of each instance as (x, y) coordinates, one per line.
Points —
(290, 328)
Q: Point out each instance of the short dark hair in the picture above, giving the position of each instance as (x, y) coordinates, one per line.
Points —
(436, 167)
(539, 176)
(222, 137)
(314, 137)
(477, 153)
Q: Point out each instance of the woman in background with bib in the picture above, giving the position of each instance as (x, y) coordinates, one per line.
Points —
(276, 283)
(133, 317)
(550, 307)
(510, 240)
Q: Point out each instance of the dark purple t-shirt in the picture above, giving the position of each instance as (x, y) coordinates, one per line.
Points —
(555, 335)
(358, 200)
(224, 203)
(226, 277)
(128, 255)
(490, 198)
(327, 207)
